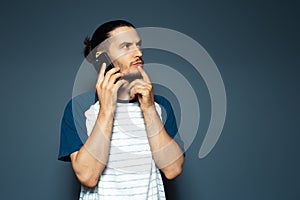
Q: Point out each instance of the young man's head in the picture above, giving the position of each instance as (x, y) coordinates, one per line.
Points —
(122, 43)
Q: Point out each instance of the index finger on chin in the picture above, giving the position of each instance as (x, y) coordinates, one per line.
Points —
(144, 75)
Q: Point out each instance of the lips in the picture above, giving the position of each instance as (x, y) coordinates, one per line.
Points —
(138, 63)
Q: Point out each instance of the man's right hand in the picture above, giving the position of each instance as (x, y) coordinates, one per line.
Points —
(90, 161)
(107, 88)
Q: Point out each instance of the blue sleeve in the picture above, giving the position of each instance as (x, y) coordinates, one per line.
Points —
(169, 119)
(73, 129)
(69, 137)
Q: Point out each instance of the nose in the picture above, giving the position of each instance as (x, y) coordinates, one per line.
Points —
(137, 51)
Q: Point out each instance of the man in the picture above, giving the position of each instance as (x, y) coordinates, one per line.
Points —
(121, 138)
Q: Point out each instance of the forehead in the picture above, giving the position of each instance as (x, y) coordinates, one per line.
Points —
(124, 34)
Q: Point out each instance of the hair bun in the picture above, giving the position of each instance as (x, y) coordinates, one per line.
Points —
(87, 49)
(87, 43)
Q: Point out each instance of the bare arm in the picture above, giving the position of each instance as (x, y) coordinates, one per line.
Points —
(167, 154)
(89, 162)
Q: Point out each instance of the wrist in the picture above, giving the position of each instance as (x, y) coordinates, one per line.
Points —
(149, 110)
(105, 115)
(153, 123)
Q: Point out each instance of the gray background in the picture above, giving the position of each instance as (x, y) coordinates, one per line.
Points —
(253, 43)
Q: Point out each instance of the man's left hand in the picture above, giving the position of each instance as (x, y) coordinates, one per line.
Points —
(143, 89)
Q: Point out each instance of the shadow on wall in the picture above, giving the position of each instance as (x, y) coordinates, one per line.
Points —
(171, 189)
(68, 183)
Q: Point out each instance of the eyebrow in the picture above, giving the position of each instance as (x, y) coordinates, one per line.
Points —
(124, 43)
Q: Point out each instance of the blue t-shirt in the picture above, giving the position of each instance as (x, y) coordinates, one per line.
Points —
(73, 127)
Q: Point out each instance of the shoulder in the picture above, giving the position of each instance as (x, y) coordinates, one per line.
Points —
(165, 107)
(82, 101)
(73, 116)
(86, 98)
(162, 101)
(164, 104)
(73, 130)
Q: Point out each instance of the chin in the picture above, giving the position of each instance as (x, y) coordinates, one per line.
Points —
(132, 75)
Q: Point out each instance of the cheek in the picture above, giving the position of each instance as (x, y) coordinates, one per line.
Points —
(117, 54)
(120, 63)
(124, 60)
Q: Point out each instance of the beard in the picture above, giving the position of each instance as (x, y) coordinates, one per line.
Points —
(131, 76)
(133, 73)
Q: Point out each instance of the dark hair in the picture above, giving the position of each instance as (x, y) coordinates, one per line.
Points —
(101, 34)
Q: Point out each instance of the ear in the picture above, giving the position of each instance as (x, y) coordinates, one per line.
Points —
(98, 53)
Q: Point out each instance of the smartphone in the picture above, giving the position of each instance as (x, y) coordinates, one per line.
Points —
(104, 58)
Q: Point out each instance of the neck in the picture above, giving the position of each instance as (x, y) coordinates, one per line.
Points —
(124, 94)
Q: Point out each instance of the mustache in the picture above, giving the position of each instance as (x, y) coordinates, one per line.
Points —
(137, 60)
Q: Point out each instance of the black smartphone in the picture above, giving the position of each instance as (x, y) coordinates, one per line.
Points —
(104, 58)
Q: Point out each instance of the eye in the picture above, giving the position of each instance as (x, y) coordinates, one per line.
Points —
(125, 45)
(139, 44)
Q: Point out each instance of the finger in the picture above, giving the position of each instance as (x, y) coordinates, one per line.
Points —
(112, 71)
(120, 83)
(137, 82)
(109, 73)
(144, 74)
(138, 90)
(140, 84)
(113, 78)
